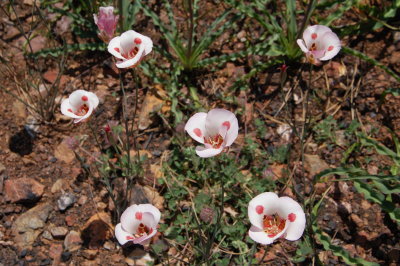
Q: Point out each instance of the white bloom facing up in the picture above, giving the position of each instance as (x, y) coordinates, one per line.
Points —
(79, 105)
(107, 22)
(216, 129)
(273, 217)
(319, 43)
(130, 48)
(138, 224)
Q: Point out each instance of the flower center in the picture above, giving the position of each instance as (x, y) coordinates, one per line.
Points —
(273, 224)
(313, 47)
(215, 142)
(81, 111)
(131, 54)
(142, 230)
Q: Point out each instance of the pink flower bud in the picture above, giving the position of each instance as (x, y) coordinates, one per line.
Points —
(107, 22)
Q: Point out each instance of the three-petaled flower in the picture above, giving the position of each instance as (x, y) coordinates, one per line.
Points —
(138, 224)
(273, 217)
(216, 129)
(130, 48)
(107, 22)
(79, 105)
(319, 43)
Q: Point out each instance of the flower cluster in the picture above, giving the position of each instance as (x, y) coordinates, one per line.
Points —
(271, 217)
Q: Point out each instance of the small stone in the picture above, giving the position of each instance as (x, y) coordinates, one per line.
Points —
(59, 231)
(23, 253)
(66, 256)
(51, 76)
(64, 153)
(90, 254)
(313, 164)
(109, 245)
(70, 220)
(45, 262)
(26, 227)
(59, 185)
(73, 241)
(47, 235)
(55, 251)
(65, 201)
(23, 190)
(82, 200)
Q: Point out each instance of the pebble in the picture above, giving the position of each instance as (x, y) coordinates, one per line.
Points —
(73, 241)
(59, 231)
(23, 190)
(66, 256)
(26, 228)
(65, 201)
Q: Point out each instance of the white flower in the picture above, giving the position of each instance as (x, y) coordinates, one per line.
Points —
(319, 43)
(130, 48)
(273, 217)
(285, 131)
(216, 129)
(138, 224)
(79, 105)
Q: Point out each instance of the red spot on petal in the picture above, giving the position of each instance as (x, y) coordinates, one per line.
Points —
(227, 124)
(70, 110)
(330, 48)
(138, 41)
(272, 235)
(84, 98)
(116, 49)
(197, 131)
(259, 209)
(129, 238)
(292, 217)
(139, 215)
(314, 36)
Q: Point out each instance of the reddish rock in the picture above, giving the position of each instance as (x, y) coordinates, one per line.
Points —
(23, 190)
(51, 76)
(71, 219)
(55, 252)
(73, 241)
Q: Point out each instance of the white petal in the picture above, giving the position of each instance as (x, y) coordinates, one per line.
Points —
(131, 62)
(95, 19)
(121, 235)
(112, 45)
(93, 99)
(300, 42)
(290, 209)
(219, 118)
(75, 98)
(195, 127)
(128, 219)
(151, 209)
(207, 152)
(318, 30)
(260, 236)
(268, 201)
(107, 10)
(65, 106)
(330, 39)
